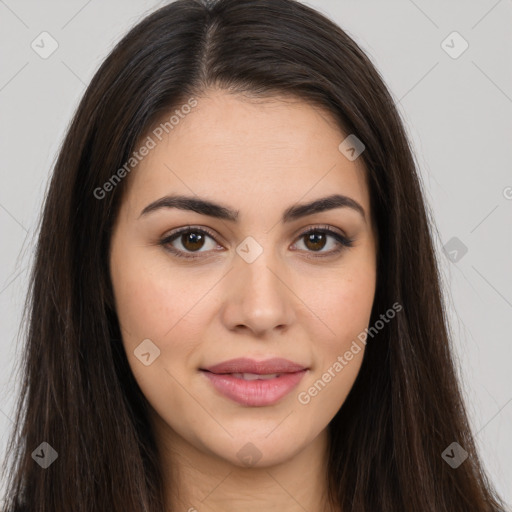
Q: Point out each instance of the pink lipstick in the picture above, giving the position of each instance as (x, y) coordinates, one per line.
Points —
(255, 383)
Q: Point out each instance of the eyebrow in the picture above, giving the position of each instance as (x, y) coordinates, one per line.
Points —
(205, 207)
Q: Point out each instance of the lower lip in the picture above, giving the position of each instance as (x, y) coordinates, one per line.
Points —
(254, 393)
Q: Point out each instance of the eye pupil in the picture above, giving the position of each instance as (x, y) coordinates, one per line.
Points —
(315, 238)
(194, 238)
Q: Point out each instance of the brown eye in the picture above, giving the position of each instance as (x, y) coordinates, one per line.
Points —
(191, 240)
(315, 241)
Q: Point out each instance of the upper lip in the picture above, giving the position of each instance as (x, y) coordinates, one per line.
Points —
(266, 367)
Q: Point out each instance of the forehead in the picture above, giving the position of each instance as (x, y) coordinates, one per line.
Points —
(248, 152)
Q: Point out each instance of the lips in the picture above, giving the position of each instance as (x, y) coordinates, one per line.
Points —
(255, 383)
(244, 365)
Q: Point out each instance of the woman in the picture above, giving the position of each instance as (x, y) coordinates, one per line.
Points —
(235, 303)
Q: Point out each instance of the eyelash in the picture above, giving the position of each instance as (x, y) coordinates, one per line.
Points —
(343, 241)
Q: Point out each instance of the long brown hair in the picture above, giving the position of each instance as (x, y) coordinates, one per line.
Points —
(78, 393)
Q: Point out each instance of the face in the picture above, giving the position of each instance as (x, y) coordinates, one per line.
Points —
(260, 278)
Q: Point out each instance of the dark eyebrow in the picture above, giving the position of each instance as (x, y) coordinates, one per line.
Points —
(211, 209)
(321, 205)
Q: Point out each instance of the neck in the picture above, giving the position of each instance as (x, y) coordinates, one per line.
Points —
(201, 481)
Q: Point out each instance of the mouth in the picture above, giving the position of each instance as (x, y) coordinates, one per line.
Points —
(255, 383)
(254, 376)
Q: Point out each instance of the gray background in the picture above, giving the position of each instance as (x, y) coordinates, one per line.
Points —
(458, 113)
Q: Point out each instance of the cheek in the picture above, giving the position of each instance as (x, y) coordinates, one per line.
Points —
(142, 304)
(343, 304)
(167, 307)
(152, 305)
(149, 300)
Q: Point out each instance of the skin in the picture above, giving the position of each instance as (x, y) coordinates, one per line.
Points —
(287, 303)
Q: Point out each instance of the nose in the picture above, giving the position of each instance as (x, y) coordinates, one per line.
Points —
(258, 297)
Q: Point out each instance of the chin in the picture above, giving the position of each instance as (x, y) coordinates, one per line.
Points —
(259, 450)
